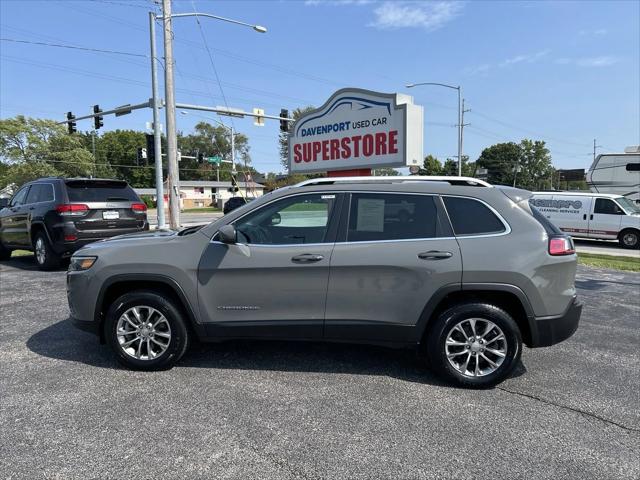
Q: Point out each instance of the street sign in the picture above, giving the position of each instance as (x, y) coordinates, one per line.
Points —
(217, 160)
(123, 110)
(231, 112)
(258, 120)
(357, 129)
(575, 174)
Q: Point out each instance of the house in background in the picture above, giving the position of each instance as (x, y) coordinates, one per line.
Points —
(202, 193)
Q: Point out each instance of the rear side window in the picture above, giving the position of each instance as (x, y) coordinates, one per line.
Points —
(96, 191)
(375, 217)
(549, 227)
(40, 192)
(633, 167)
(471, 217)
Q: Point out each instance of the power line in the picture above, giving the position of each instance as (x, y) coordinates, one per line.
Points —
(88, 49)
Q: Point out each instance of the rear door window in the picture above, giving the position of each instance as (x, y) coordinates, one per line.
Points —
(375, 217)
(471, 217)
(97, 191)
(40, 192)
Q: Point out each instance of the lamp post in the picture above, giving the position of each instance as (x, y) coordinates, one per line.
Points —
(170, 102)
(459, 89)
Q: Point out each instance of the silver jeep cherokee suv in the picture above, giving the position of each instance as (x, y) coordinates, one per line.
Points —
(464, 271)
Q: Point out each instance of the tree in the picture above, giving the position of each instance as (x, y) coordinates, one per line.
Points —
(32, 148)
(500, 160)
(430, 166)
(283, 140)
(450, 167)
(530, 157)
(211, 140)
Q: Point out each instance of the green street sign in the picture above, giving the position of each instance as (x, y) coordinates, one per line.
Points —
(216, 159)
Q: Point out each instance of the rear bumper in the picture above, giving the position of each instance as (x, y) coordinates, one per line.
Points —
(555, 329)
(86, 237)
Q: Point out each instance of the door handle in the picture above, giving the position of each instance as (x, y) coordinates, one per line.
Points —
(591, 217)
(434, 255)
(32, 208)
(584, 217)
(307, 258)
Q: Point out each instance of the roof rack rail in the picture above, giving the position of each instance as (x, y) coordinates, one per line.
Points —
(459, 181)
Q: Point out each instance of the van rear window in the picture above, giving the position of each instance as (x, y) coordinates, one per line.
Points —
(100, 191)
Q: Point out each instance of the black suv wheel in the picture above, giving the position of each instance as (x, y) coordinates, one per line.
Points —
(146, 331)
(474, 344)
(46, 258)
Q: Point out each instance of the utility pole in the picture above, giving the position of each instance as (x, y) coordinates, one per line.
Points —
(462, 125)
(233, 150)
(594, 149)
(460, 121)
(156, 123)
(170, 107)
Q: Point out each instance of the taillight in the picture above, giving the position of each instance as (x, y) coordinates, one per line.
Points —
(561, 246)
(72, 209)
(138, 207)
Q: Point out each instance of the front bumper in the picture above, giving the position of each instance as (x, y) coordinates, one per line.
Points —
(80, 302)
(555, 329)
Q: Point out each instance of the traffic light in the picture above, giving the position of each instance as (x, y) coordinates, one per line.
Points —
(71, 124)
(234, 184)
(151, 147)
(284, 124)
(200, 156)
(97, 121)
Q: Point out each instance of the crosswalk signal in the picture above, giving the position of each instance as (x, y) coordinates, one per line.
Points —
(99, 120)
(71, 124)
(284, 124)
(142, 156)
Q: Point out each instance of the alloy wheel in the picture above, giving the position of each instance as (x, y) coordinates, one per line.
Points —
(476, 347)
(41, 251)
(143, 333)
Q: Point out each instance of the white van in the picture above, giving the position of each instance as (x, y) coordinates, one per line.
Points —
(592, 215)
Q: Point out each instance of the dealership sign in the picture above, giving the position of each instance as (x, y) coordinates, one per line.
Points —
(357, 129)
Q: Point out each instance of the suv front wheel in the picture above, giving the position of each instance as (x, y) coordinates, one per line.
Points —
(474, 344)
(146, 331)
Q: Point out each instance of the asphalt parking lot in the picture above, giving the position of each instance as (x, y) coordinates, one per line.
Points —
(295, 410)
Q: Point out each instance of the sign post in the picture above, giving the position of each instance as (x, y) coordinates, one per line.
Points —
(357, 130)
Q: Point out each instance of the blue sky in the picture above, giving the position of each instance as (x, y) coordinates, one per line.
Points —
(563, 72)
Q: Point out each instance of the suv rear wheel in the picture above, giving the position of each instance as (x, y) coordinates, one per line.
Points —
(474, 344)
(146, 331)
(46, 258)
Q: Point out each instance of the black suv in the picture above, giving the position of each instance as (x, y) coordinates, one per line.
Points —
(233, 203)
(54, 217)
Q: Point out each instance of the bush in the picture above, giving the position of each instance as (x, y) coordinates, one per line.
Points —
(148, 201)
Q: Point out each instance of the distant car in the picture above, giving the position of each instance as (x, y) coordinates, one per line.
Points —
(233, 203)
(54, 217)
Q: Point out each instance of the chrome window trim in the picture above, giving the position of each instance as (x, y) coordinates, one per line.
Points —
(506, 225)
(350, 191)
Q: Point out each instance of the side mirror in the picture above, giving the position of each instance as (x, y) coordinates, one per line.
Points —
(4, 203)
(275, 219)
(227, 234)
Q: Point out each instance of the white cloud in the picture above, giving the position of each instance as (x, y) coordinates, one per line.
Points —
(597, 31)
(478, 70)
(602, 61)
(423, 14)
(338, 2)
(528, 58)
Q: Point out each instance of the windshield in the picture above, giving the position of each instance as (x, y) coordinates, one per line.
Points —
(628, 206)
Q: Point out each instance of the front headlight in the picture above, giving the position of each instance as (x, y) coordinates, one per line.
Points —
(78, 264)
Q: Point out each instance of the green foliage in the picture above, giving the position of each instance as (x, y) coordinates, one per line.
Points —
(385, 172)
(283, 140)
(531, 158)
(32, 148)
(148, 201)
(430, 166)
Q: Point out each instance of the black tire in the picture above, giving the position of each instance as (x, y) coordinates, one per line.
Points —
(48, 259)
(446, 321)
(5, 253)
(629, 238)
(179, 333)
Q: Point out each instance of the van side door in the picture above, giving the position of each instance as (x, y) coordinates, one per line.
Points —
(605, 219)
